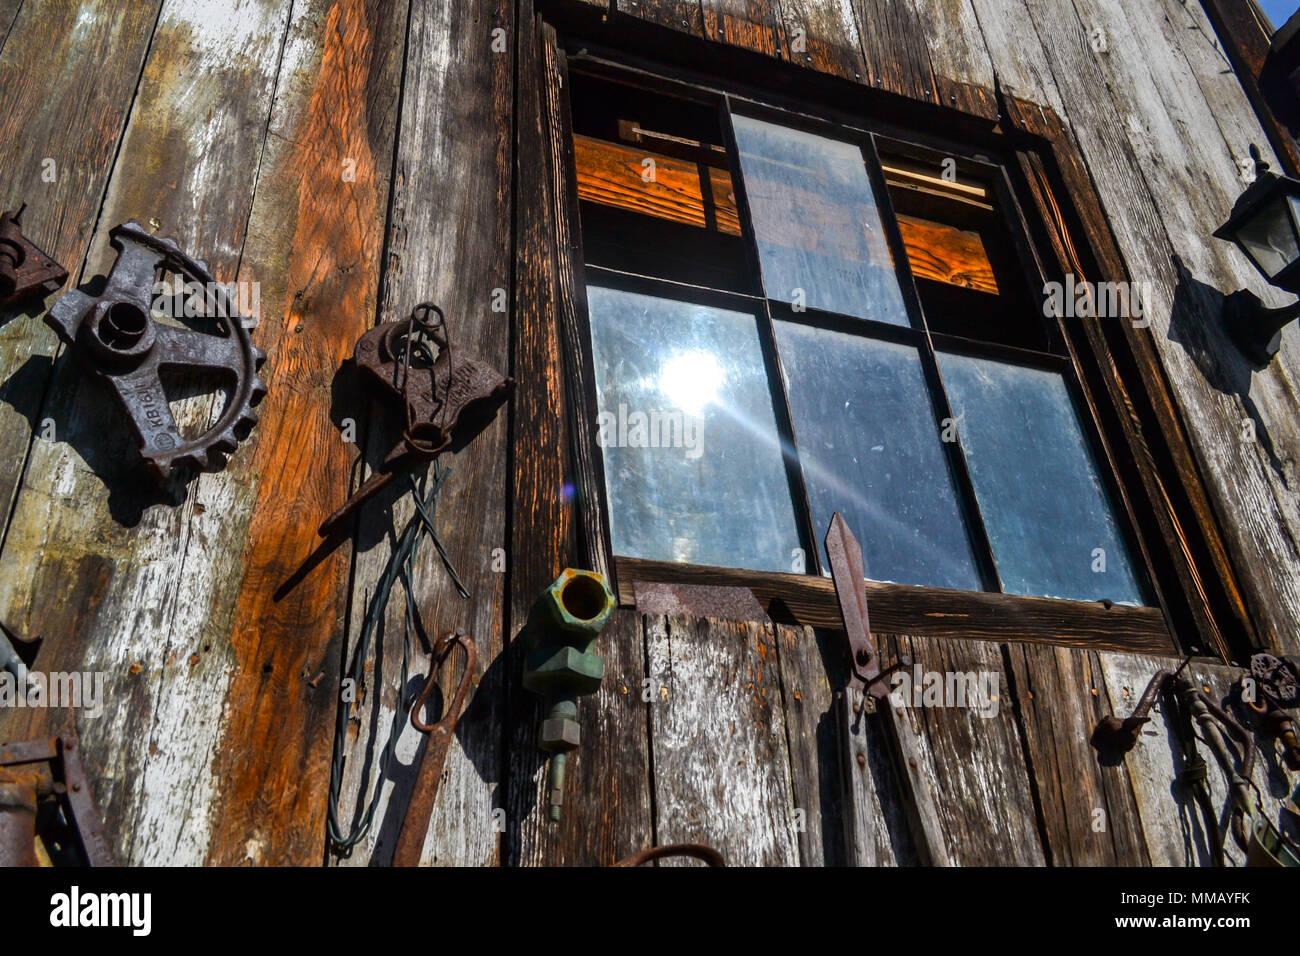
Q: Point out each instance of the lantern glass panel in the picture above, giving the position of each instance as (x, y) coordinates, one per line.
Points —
(1269, 237)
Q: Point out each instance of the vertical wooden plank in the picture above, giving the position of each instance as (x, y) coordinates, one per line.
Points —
(823, 36)
(970, 758)
(449, 242)
(1089, 813)
(808, 705)
(721, 764)
(315, 241)
(875, 821)
(86, 58)
(606, 814)
(542, 526)
(681, 15)
(752, 24)
(164, 568)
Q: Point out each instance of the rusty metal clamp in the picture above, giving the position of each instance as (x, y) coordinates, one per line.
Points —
(444, 397)
(433, 754)
(697, 851)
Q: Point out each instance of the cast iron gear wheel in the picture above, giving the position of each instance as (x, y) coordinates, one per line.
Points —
(116, 339)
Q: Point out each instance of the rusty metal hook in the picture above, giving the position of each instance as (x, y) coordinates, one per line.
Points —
(697, 850)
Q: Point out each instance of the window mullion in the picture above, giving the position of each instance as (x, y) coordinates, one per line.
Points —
(767, 336)
(933, 377)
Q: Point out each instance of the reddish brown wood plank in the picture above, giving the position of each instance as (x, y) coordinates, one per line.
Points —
(752, 24)
(315, 242)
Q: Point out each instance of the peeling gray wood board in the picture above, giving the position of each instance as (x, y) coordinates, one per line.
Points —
(1170, 819)
(152, 751)
(970, 758)
(717, 731)
(814, 741)
(449, 236)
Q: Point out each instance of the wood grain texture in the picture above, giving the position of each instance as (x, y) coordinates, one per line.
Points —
(947, 254)
(751, 24)
(927, 51)
(87, 59)
(1088, 810)
(315, 237)
(718, 737)
(937, 612)
(808, 663)
(683, 15)
(970, 759)
(1170, 820)
(453, 143)
(823, 36)
(166, 570)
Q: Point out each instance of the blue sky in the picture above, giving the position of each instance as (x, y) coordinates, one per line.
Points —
(1279, 11)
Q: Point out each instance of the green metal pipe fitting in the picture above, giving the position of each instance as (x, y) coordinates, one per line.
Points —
(559, 664)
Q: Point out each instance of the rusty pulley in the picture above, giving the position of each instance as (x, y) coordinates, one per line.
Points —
(117, 340)
(446, 393)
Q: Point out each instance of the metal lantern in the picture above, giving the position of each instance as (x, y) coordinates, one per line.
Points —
(1265, 226)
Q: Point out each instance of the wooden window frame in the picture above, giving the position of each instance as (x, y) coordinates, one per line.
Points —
(1040, 167)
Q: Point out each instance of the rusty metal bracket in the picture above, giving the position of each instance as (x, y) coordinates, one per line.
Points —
(433, 753)
(116, 339)
(25, 271)
(849, 575)
(446, 398)
(39, 771)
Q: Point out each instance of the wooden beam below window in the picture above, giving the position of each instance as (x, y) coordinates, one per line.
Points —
(930, 612)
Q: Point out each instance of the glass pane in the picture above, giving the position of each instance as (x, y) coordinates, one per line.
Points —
(1048, 515)
(869, 443)
(820, 240)
(1269, 239)
(693, 462)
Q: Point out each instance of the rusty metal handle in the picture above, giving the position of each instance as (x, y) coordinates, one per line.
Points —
(697, 850)
(433, 755)
(452, 712)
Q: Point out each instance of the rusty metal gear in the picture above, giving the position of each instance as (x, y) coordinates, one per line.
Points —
(117, 340)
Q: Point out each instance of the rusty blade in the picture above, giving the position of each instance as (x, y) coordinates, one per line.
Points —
(849, 575)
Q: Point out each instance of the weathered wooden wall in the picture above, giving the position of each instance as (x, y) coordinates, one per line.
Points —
(223, 632)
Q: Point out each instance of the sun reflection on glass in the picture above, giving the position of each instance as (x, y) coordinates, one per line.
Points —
(691, 380)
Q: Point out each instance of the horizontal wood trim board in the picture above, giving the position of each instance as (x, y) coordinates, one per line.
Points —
(929, 612)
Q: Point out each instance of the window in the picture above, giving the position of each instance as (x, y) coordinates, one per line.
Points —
(790, 318)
